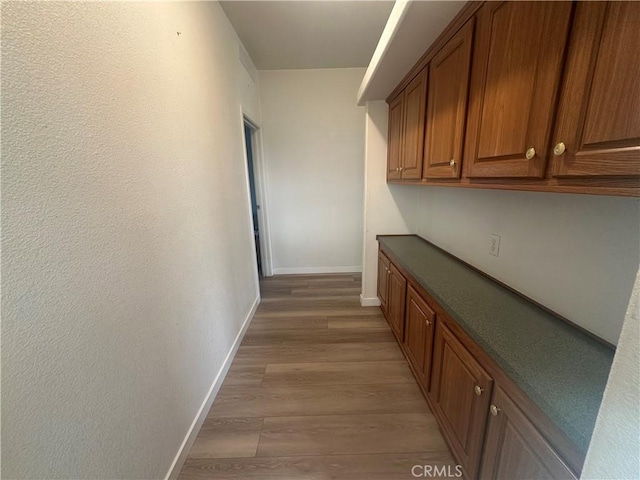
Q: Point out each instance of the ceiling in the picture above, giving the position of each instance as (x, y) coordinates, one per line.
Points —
(412, 27)
(308, 34)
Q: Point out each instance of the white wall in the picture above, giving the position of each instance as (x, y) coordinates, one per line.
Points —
(127, 255)
(313, 141)
(248, 84)
(388, 208)
(575, 254)
(614, 451)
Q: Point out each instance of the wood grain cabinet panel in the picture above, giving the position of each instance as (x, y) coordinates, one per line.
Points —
(517, 66)
(490, 435)
(515, 449)
(383, 281)
(598, 126)
(396, 301)
(396, 133)
(414, 113)
(447, 106)
(418, 337)
(460, 393)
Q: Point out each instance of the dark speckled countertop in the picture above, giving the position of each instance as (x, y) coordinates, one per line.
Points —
(561, 368)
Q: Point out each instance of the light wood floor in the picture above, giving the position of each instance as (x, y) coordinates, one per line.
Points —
(319, 389)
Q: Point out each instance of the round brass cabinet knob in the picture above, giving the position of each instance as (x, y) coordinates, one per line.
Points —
(494, 410)
(530, 153)
(452, 162)
(559, 149)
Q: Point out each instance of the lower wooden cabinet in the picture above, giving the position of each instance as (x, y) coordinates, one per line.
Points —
(383, 281)
(490, 435)
(514, 448)
(460, 393)
(396, 302)
(420, 324)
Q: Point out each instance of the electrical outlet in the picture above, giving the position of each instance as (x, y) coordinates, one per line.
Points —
(494, 248)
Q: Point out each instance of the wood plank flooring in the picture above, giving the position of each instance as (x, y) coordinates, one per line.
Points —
(319, 389)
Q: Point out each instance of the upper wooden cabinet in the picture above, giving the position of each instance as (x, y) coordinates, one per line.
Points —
(406, 130)
(394, 148)
(460, 391)
(515, 80)
(598, 123)
(447, 106)
(414, 106)
(514, 448)
(538, 96)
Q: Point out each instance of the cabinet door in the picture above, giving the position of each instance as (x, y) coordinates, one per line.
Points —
(460, 390)
(397, 293)
(599, 112)
(396, 127)
(414, 113)
(515, 449)
(447, 106)
(418, 335)
(515, 80)
(383, 281)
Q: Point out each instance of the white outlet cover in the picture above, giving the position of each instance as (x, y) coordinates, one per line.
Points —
(494, 246)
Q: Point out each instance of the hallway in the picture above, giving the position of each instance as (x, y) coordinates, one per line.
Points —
(318, 389)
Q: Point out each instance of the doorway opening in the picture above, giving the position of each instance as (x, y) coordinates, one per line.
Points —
(249, 131)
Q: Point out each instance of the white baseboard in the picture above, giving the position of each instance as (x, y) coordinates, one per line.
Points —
(303, 270)
(192, 433)
(369, 302)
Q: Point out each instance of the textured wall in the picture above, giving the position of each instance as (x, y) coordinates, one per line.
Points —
(313, 143)
(576, 254)
(127, 254)
(615, 445)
